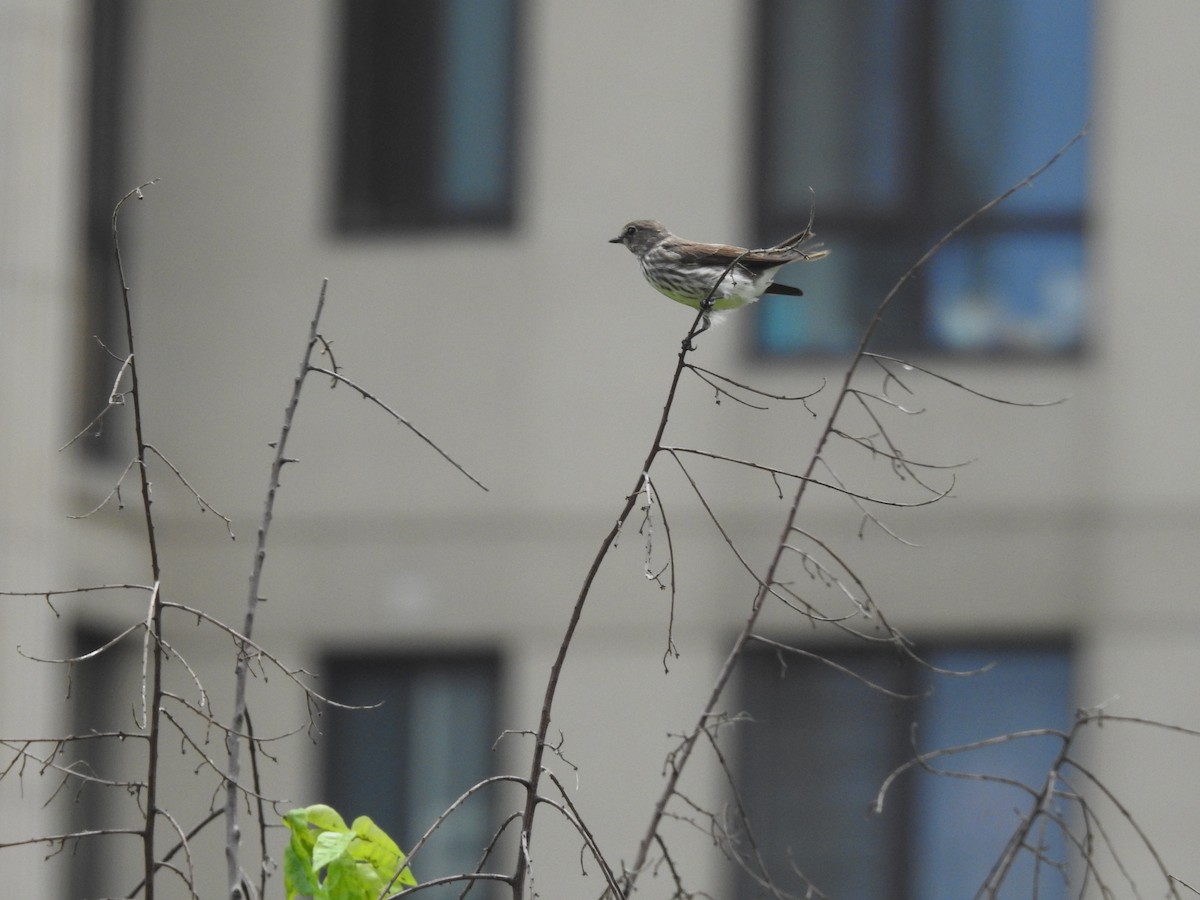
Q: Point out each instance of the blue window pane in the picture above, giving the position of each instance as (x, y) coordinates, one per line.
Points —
(476, 104)
(1012, 85)
(788, 322)
(834, 106)
(841, 294)
(963, 826)
(1022, 291)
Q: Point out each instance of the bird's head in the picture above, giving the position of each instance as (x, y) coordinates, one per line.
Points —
(640, 235)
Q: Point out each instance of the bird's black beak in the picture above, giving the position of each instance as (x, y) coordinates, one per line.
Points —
(615, 240)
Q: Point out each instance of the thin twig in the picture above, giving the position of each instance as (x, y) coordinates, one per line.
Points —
(115, 398)
(204, 504)
(241, 669)
(367, 395)
(154, 617)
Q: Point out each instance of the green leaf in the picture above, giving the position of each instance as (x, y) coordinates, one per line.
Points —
(357, 861)
(369, 831)
(298, 877)
(377, 848)
(324, 818)
(347, 880)
(330, 845)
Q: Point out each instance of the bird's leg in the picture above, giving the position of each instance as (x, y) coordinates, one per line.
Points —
(707, 304)
(705, 324)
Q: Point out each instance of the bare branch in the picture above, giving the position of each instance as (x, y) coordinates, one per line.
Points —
(86, 656)
(879, 359)
(711, 378)
(653, 499)
(367, 395)
(261, 653)
(212, 816)
(840, 489)
(115, 492)
(204, 504)
(826, 661)
(115, 398)
(61, 839)
(572, 815)
(79, 590)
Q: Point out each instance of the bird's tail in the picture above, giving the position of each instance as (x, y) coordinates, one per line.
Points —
(794, 246)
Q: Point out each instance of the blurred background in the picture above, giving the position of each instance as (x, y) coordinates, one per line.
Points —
(454, 168)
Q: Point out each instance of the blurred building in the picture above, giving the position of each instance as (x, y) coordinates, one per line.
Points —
(454, 170)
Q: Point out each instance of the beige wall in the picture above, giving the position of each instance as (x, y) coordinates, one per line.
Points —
(38, 109)
(539, 360)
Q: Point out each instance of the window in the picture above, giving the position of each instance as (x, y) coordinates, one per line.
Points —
(404, 762)
(426, 105)
(110, 25)
(821, 743)
(102, 692)
(904, 116)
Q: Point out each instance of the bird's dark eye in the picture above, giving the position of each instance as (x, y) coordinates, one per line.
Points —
(630, 230)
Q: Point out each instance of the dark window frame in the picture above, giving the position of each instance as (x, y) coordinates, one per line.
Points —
(901, 809)
(914, 221)
(110, 26)
(376, 663)
(383, 125)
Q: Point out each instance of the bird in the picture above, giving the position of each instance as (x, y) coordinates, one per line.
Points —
(712, 278)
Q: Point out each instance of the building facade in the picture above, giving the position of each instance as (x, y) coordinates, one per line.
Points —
(455, 171)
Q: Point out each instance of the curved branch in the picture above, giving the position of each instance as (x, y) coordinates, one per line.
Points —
(241, 639)
(807, 478)
(437, 823)
(880, 359)
(367, 395)
(572, 815)
(922, 760)
(711, 378)
(845, 670)
(204, 504)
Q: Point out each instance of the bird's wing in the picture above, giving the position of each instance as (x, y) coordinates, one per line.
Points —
(756, 261)
(698, 254)
(721, 255)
